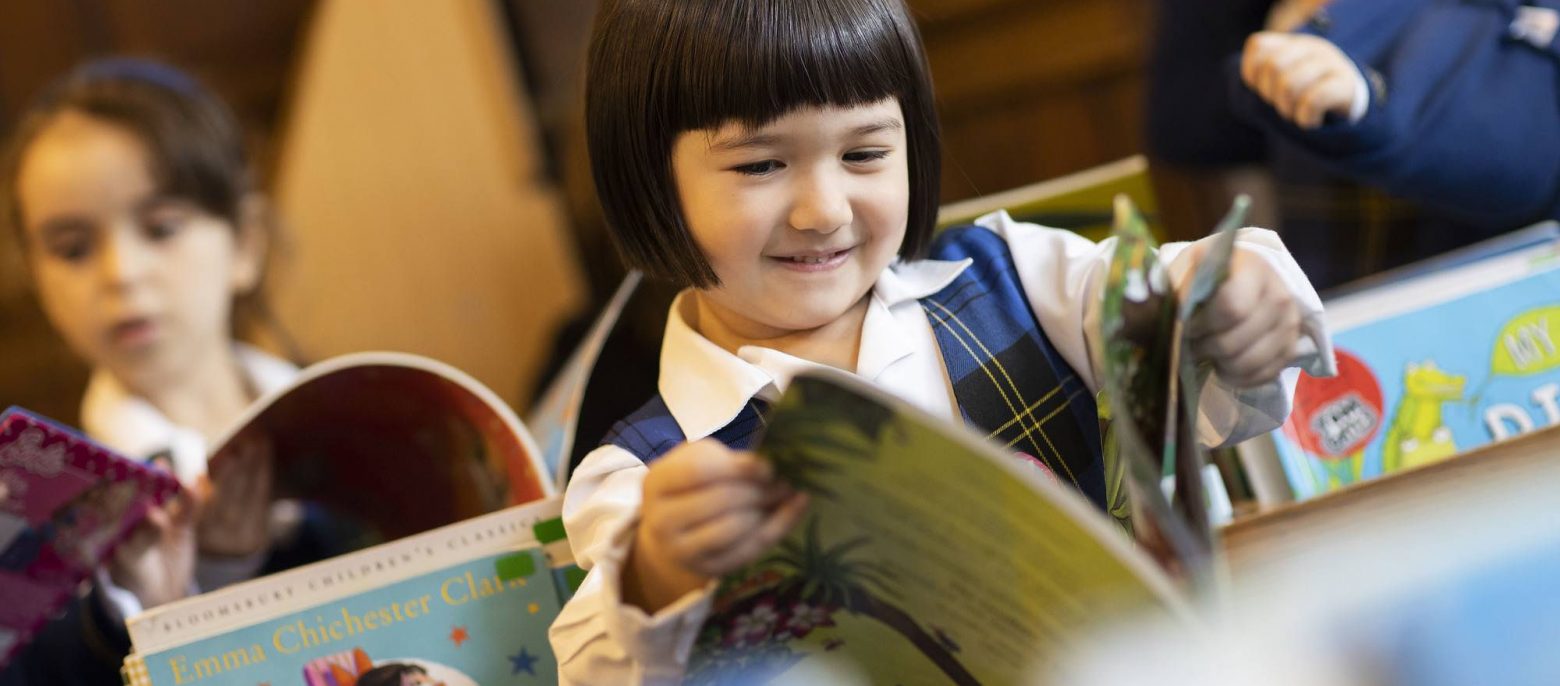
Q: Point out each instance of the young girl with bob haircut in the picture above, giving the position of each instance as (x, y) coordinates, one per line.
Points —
(779, 160)
(128, 191)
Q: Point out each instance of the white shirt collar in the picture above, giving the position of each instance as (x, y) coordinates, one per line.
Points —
(705, 386)
(130, 424)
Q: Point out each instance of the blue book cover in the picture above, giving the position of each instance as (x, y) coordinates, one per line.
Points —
(469, 603)
(1429, 367)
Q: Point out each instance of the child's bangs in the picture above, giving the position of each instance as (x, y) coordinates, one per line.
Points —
(755, 62)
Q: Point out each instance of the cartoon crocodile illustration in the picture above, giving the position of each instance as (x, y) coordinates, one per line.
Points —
(1417, 434)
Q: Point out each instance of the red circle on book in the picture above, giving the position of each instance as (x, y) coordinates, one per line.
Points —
(1335, 417)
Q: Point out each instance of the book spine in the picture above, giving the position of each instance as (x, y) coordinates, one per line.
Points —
(133, 671)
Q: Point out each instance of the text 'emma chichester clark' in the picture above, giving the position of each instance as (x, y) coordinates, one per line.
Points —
(296, 636)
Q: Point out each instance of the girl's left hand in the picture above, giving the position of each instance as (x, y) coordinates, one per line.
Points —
(1249, 327)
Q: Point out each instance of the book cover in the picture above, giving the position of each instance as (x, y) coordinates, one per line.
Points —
(555, 418)
(65, 503)
(465, 624)
(468, 603)
(393, 443)
(1430, 366)
(926, 556)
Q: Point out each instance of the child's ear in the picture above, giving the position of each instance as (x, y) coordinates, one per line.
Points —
(253, 239)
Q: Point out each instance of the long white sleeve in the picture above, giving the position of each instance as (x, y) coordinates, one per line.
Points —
(599, 639)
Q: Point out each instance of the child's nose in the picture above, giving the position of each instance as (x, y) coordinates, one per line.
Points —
(820, 204)
(125, 258)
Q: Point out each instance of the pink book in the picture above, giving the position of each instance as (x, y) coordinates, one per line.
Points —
(65, 503)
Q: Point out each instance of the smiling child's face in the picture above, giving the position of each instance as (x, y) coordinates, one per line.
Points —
(134, 281)
(798, 217)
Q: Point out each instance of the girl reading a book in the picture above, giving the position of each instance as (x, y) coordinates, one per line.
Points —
(127, 188)
(779, 161)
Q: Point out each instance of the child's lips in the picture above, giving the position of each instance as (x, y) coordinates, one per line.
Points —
(813, 261)
(133, 332)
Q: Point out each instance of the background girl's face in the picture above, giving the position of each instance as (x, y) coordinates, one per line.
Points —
(799, 217)
(134, 281)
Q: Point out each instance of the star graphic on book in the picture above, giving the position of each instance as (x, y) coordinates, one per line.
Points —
(522, 662)
(459, 635)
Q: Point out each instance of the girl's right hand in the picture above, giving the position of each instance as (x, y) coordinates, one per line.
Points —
(707, 511)
(157, 561)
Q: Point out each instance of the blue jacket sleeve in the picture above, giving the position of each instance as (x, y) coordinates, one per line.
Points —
(1462, 117)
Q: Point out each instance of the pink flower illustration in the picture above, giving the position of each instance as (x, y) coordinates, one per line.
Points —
(804, 618)
(757, 625)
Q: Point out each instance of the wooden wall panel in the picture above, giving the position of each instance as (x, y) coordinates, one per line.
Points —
(1033, 90)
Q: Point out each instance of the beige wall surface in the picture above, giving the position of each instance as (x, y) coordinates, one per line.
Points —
(410, 178)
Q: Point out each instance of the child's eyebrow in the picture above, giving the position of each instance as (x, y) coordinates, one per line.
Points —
(756, 139)
(889, 124)
(752, 139)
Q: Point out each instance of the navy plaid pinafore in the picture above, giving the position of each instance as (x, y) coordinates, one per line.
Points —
(1010, 383)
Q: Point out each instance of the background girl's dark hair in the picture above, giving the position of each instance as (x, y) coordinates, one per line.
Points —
(658, 68)
(196, 148)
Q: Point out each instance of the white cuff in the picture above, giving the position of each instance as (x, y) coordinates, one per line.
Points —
(120, 603)
(600, 639)
(215, 571)
(1361, 103)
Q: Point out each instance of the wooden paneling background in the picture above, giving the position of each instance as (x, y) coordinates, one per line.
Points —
(1029, 89)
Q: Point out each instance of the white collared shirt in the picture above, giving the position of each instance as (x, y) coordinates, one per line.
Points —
(598, 639)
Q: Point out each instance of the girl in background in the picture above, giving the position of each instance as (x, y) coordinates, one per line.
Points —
(127, 188)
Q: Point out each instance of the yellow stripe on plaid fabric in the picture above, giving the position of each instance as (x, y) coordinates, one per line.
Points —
(1011, 407)
(1048, 417)
(970, 334)
(1027, 412)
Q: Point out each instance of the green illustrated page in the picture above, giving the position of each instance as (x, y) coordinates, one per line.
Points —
(926, 556)
(1151, 379)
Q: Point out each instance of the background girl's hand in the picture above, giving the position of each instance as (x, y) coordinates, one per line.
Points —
(707, 512)
(157, 561)
(236, 522)
(1302, 76)
(1249, 327)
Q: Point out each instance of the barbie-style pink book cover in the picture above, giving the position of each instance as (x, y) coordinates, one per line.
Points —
(65, 502)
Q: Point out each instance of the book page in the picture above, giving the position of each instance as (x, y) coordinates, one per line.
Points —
(393, 444)
(925, 557)
(555, 418)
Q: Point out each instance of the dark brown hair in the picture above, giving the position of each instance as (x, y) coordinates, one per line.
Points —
(388, 674)
(658, 68)
(196, 147)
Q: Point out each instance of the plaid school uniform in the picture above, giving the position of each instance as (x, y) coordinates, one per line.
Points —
(1009, 381)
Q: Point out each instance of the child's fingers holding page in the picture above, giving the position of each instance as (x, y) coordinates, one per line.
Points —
(772, 527)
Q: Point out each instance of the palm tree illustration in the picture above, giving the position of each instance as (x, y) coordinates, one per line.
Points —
(815, 427)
